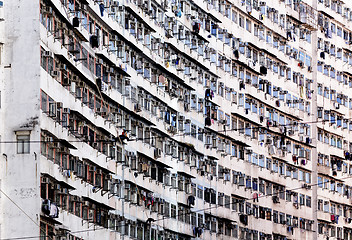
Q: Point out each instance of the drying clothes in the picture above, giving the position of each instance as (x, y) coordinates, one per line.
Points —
(242, 85)
(347, 155)
(244, 219)
(191, 200)
(94, 41)
(255, 197)
(161, 79)
(54, 211)
(263, 70)
(290, 229)
(197, 231)
(102, 8)
(178, 13)
(139, 64)
(236, 54)
(328, 33)
(46, 207)
(123, 136)
(50, 209)
(207, 121)
(208, 94)
(196, 27)
(322, 55)
(249, 9)
(75, 22)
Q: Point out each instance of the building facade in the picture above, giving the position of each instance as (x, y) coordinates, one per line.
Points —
(175, 119)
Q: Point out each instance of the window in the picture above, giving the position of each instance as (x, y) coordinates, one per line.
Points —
(248, 25)
(23, 143)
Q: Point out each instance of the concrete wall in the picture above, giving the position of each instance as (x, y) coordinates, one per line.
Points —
(20, 111)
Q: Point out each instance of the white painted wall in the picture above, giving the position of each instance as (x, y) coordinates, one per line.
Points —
(20, 110)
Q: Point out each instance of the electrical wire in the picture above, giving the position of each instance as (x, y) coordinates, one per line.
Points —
(176, 135)
(24, 212)
(200, 210)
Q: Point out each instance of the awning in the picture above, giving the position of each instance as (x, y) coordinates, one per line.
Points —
(153, 160)
(183, 173)
(106, 170)
(118, 68)
(62, 183)
(98, 203)
(66, 144)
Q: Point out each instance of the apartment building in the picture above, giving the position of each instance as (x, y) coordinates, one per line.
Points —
(175, 119)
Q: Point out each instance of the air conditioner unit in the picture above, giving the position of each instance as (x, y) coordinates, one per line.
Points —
(48, 54)
(157, 153)
(276, 199)
(137, 107)
(54, 73)
(63, 66)
(45, 180)
(66, 111)
(59, 105)
(64, 150)
(91, 215)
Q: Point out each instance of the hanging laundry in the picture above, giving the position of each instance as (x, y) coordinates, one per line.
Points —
(54, 211)
(244, 219)
(139, 64)
(123, 136)
(347, 156)
(161, 79)
(255, 197)
(191, 200)
(289, 35)
(75, 22)
(207, 121)
(249, 9)
(261, 119)
(46, 206)
(328, 33)
(94, 43)
(208, 94)
(196, 27)
(197, 231)
(50, 209)
(242, 85)
(102, 8)
(322, 55)
(236, 54)
(178, 13)
(263, 70)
